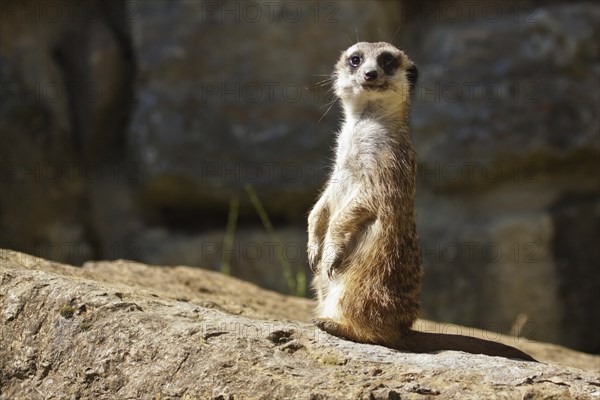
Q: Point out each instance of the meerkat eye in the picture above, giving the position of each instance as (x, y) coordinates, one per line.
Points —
(355, 60)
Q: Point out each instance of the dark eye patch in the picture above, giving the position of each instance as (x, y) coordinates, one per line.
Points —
(412, 75)
(388, 62)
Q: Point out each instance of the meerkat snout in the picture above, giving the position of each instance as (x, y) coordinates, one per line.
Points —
(371, 75)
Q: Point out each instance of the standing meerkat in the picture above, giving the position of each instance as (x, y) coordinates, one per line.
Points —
(362, 239)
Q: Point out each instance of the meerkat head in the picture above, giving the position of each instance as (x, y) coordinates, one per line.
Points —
(374, 71)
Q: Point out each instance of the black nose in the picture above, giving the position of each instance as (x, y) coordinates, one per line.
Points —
(370, 75)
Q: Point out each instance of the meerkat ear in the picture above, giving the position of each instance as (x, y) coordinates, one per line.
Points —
(412, 75)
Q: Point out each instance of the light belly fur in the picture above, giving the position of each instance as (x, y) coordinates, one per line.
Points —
(330, 308)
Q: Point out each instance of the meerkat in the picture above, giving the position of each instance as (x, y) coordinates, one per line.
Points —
(362, 238)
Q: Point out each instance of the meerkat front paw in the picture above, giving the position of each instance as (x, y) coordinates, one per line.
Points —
(333, 254)
(314, 255)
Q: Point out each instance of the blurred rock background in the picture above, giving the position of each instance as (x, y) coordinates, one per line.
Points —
(190, 132)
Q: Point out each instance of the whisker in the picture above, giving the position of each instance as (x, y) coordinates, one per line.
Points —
(323, 83)
(327, 104)
(396, 34)
(320, 119)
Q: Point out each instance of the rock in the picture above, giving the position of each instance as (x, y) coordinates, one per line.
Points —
(506, 129)
(60, 114)
(37, 142)
(217, 114)
(573, 256)
(127, 330)
(535, 67)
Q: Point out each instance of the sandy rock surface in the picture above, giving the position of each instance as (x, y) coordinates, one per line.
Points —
(131, 331)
